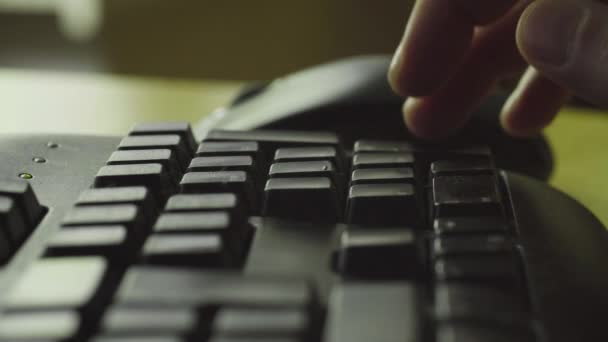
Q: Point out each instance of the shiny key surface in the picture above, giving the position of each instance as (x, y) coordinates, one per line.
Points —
(167, 128)
(306, 198)
(466, 196)
(58, 283)
(172, 142)
(383, 204)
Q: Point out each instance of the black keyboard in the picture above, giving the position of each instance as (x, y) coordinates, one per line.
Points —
(264, 236)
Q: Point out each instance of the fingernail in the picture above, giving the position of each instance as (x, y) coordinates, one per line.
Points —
(548, 31)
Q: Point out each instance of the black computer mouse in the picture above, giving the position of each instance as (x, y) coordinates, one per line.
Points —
(352, 97)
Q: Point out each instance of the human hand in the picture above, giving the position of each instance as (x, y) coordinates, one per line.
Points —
(454, 51)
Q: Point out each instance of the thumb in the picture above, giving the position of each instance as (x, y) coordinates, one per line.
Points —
(567, 42)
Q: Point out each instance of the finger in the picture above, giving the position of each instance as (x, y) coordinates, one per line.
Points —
(437, 38)
(532, 105)
(492, 55)
(567, 41)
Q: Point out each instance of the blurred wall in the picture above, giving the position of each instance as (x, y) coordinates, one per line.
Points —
(244, 39)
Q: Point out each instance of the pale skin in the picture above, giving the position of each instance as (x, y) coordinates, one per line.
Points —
(454, 52)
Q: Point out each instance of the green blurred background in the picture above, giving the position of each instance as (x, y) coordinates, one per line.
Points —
(230, 39)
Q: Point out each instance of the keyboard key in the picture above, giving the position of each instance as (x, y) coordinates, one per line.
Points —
(167, 128)
(313, 198)
(364, 312)
(496, 270)
(191, 288)
(130, 321)
(194, 250)
(152, 176)
(58, 283)
(383, 175)
(471, 302)
(223, 163)
(383, 160)
(300, 154)
(379, 253)
(321, 168)
(229, 148)
(214, 221)
(164, 157)
(271, 139)
(22, 193)
(255, 339)
(237, 182)
(12, 225)
(109, 241)
(144, 337)
(121, 214)
(202, 202)
(154, 142)
(478, 245)
(473, 224)
(137, 195)
(466, 196)
(383, 204)
(482, 166)
(383, 146)
(52, 325)
(467, 332)
(251, 323)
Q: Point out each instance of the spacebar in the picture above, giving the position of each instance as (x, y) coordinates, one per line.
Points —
(379, 312)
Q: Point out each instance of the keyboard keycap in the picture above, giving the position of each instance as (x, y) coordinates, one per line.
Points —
(252, 323)
(479, 245)
(52, 325)
(172, 142)
(313, 198)
(300, 154)
(482, 166)
(377, 253)
(122, 214)
(194, 250)
(137, 195)
(223, 163)
(22, 193)
(144, 337)
(167, 128)
(131, 321)
(383, 204)
(383, 146)
(108, 241)
(271, 139)
(190, 288)
(164, 157)
(494, 270)
(466, 225)
(380, 176)
(471, 302)
(383, 160)
(58, 283)
(12, 225)
(202, 202)
(152, 176)
(466, 196)
(229, 148)
(466, 332)
(364, 312)
(304, 169)
(237, 182)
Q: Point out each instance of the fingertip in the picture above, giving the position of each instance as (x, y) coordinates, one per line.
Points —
(394, 73)
(424, 123)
